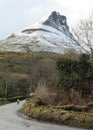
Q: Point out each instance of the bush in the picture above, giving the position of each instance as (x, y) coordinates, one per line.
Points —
(75, 74)
(43, 94)
(41, 91)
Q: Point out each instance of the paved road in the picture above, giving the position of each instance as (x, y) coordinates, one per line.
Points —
(9, 120)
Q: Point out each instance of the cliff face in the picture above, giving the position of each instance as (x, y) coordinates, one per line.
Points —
(57, 21)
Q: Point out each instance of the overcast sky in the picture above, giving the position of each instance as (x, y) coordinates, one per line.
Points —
(15, 15)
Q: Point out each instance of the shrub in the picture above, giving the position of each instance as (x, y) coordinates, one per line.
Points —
(75, 74)
(42, 91)
(43, 94)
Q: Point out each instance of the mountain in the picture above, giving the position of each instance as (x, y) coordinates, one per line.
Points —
(50, 33)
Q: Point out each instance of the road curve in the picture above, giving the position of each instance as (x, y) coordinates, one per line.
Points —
(9, 120)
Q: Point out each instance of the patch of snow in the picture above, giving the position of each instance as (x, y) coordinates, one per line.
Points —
(41, 37)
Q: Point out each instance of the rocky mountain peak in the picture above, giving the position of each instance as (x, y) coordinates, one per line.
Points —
(57, 21)
(48, 34)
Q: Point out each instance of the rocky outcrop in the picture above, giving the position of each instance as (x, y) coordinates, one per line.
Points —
(57, 21)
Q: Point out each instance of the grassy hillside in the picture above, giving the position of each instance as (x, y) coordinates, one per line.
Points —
(69, 75)
(15, 71)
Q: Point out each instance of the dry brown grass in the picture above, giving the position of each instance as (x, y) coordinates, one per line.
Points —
(69, 115)
(44, 93)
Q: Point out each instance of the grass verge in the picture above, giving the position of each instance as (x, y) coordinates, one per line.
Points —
(3, 102)
(59, 114)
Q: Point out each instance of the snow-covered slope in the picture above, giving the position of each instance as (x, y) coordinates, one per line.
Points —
(50, 33)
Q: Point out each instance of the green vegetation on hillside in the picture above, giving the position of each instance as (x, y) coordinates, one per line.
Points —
(63, 90)
(18, 71)
(76, 74)
(62, 85)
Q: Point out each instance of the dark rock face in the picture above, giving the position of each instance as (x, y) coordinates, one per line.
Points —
(57, 21)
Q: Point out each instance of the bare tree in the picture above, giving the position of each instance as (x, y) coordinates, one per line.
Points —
(42, 69)
(83, 33)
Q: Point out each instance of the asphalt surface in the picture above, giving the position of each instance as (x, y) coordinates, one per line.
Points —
(9, 120)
